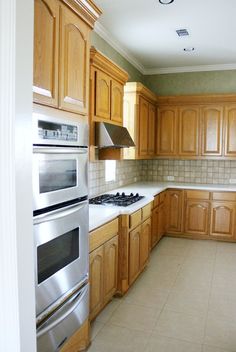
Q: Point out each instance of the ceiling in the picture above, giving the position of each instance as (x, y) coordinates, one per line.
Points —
(144, 31)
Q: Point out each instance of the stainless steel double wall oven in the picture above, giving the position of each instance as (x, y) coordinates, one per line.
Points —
(60, 204)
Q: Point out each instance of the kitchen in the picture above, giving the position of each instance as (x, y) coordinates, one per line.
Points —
(172, 166)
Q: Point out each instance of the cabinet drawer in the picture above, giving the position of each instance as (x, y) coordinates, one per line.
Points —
(146, 211)
(156, 201)
(231, 196)
(198, 195)
(103, 234)
(135, 219)
(162, 197)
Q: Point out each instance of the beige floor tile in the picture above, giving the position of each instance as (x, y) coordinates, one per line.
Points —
(206, 348)
(223, 306)
(190, 301)
(96, 326)
(147, 296)
(135, 317)
(226, 248)
(119, 339)
(202, 249)
(220, 332)
(197, 280)
(158, 343)
(157, 280)
(181, 326)
(165, 263)
(173, 246)
(107, 312)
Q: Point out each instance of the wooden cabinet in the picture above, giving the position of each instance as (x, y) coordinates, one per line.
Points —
(46, 54)
(103, 95)
(159, 217)
(110, 268)
(161, 221)
(117, 94)
(189, 128)
(167, 131)
(61, 53)
(103, 259)
(143, 127)
(145, 242)
(134, 254)
(155, 226)
(140, 120)
(212, 130)
(96, 270)
(175, 211)
(230, 131)
(223, 220)
(196, 217)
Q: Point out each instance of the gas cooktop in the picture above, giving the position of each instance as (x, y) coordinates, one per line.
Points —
(118, 199)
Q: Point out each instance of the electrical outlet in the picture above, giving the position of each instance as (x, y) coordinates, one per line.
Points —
(170, 178)
(232, 180)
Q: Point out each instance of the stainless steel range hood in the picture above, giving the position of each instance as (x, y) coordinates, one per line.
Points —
(112, 136)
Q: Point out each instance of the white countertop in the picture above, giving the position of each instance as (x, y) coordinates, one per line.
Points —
(100, 214)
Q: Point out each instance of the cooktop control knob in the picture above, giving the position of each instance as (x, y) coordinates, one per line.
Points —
(137, 195)
(131, 194)
(117, 194)
(123, 194)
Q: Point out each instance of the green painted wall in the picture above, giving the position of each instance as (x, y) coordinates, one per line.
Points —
(101, 45)
(193, 83)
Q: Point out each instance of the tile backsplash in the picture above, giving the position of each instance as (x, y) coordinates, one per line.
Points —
(193, 171)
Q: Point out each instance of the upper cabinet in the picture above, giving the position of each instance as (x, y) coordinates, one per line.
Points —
(167, 131)
(230, 131)
(212, 130)
(140, 120)
(189, 119)
(46, 55)
(107, 82)
(61, 53)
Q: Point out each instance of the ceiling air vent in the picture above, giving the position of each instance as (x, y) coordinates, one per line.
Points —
(182, 32)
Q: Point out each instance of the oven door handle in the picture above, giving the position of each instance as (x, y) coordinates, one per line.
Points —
(58, 214)
(62, 313)
(59, 150)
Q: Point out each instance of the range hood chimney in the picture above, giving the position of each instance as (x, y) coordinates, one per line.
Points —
(112, 136)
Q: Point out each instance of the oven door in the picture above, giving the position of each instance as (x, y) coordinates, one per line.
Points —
(61, 254)
(59, 175)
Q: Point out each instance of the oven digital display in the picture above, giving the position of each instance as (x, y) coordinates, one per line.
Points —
(58, 132)
(56, 175)
(56, 254)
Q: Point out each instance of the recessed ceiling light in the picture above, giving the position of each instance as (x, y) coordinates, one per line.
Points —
(189, 49)
(166, 2)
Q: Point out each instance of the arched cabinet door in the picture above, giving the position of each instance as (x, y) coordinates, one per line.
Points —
(212, 130)
(103, 95)
(175, 210)
(196, 217)
(46, 44)
(74, 63)
(223, 220)
(117, 93)
(145, 242)
(143, 127)
(167, 131)
(134, 254)
(189, 131)
(110, 268)
(230, 131)
(96, 259)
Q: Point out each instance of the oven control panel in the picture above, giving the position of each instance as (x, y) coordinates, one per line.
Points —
(59, 132)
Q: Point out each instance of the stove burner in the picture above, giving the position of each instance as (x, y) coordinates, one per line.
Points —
(121, 200)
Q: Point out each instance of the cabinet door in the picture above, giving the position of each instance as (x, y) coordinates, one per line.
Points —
(189, 131)
(46, 40)
(103, 96)
(152, 130)
(223, 220)
(145, 242)
(134, 254)
(143, 127)
(96, 259)
(167, 124)
(230, 131)
(155, 237)
(212, 120)
(161, 221)
(175, 206)
(197, 217)
(110, 268)
(117, 94)
(74, 62)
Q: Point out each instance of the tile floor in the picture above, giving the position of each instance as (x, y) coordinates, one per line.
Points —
(185, 301)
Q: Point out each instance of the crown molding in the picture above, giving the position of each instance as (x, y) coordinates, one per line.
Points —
(106, 35)
(200, 68)
(102, 32)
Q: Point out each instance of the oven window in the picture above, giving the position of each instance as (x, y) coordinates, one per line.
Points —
(56, 254)
(57, 174)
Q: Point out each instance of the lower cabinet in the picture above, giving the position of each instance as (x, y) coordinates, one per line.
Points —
(103, 266)
(222, 220)
(134, 253)
(196, 217)
(145, 243)
(159, 216)
(175, 211)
